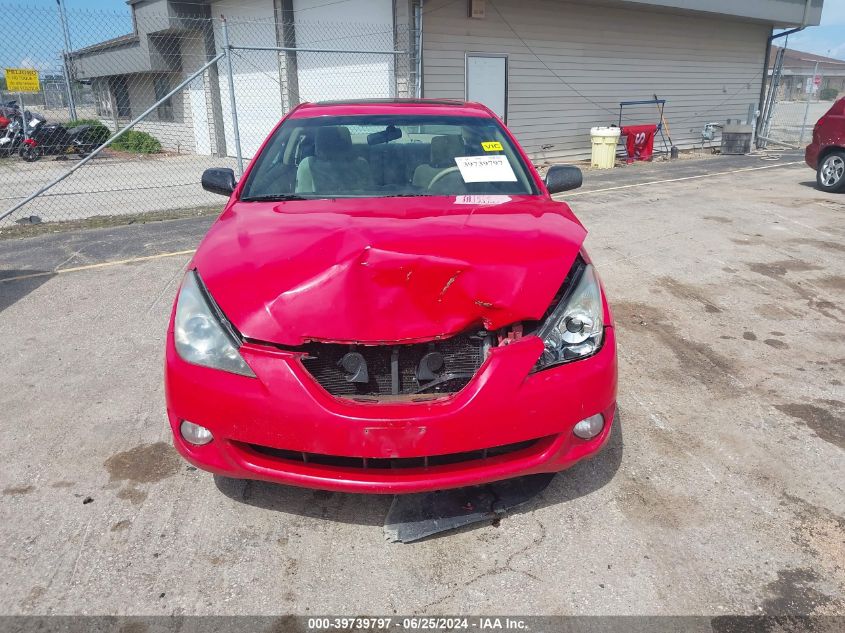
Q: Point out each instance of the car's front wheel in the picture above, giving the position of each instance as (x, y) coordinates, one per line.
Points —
(830, 175)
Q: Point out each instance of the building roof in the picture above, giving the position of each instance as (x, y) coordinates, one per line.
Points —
(793, 59)
(120, 40)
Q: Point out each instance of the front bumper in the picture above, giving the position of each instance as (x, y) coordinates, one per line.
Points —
(284, 408)
(811, 155)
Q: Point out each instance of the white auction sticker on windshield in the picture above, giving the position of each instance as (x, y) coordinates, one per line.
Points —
(485, 168)
(482, 200)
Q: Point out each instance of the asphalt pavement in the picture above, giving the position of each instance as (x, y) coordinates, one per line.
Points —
(721, 492)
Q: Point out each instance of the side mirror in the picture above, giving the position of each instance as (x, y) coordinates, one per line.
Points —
(219, 180)
(563, 178)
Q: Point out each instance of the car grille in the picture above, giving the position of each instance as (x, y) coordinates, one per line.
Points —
(393, 463)
(394, 370)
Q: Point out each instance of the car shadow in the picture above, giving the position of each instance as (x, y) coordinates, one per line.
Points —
(16, 284)
(585, 477)
(340, 507)
(363, 509)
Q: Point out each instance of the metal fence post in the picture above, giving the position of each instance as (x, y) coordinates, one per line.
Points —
(419, 60)
(807, 107)
(71, 105)
(232, 104)
(771, 99)
(24, 124)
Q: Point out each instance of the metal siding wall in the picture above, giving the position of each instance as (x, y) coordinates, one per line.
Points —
(707, 69)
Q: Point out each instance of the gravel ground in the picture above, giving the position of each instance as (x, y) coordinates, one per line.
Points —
(721, 492)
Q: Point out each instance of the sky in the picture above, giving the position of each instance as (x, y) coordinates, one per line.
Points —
(827, 39)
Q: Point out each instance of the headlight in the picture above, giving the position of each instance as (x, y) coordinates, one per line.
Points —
(199, 334)
(575, 328)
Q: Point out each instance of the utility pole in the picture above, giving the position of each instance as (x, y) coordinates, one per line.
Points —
(71, 106)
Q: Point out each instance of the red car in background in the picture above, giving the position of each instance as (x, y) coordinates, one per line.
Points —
(826, 154)
(391, 302)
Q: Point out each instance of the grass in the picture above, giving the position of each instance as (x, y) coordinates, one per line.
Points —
(137, 142)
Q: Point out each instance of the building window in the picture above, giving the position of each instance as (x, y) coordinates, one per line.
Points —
(162, 87)
(120, 92)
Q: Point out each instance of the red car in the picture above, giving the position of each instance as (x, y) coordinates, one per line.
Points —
(391, 302)
(826, 154)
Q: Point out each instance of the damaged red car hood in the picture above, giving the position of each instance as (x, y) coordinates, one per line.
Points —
(381, 270)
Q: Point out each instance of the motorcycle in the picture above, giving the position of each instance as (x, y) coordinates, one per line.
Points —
(13, 137)
(8, 111)
(54, 138)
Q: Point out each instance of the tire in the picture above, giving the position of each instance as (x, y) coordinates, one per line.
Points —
(830, 175)
(29, 153)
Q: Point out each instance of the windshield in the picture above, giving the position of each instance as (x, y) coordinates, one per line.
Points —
(387, 155)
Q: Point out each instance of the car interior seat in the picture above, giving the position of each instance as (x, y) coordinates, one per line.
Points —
(333, 168)
(444, 150)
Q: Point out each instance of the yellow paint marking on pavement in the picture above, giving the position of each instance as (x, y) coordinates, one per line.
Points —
(76, 269)
(660, 182)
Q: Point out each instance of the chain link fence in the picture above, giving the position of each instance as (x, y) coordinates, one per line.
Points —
(801, 87)
(170, 95)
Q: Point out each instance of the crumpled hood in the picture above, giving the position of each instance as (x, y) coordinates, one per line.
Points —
(386, 270)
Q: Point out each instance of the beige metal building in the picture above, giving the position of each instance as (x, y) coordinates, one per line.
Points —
(565, 66)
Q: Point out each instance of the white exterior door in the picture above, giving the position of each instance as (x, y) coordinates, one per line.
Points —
(487, 81)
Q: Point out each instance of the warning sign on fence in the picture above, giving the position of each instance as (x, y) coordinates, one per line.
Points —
(22, 80)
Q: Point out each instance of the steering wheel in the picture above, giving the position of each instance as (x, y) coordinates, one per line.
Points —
(441, 176)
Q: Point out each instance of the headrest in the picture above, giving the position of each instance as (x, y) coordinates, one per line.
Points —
(445, 148)
(332, 142)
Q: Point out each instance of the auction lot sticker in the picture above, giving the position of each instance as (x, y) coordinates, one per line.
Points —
(485, 169)
(22, 80)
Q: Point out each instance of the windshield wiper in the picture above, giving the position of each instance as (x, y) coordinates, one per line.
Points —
(278, 197)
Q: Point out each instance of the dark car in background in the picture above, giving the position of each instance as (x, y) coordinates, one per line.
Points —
(826, 154)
